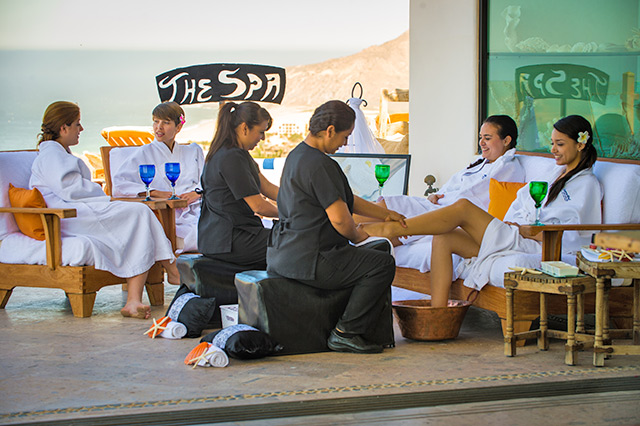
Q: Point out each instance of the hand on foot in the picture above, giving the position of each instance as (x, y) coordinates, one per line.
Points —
(379, 229)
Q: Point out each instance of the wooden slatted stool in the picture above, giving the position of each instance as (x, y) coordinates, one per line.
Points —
(603, 272)
(574, 288)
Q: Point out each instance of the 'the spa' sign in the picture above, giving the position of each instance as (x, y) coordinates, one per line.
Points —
(222, 82)
(562, 81)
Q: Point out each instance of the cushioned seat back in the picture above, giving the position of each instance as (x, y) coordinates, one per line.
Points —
(621, 188)
(15, 168)
(620, 185)
(536, 167)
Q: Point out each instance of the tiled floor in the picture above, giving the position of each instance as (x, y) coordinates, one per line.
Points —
(57, 367)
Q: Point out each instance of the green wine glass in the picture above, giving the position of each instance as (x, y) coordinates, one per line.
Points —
(382, 174)
(538, 190)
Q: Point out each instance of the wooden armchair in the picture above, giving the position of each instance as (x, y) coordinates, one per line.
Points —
(80, 283)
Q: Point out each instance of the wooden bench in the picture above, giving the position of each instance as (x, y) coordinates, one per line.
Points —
(621, 184)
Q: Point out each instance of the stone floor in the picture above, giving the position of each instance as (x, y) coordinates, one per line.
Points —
(56, 368)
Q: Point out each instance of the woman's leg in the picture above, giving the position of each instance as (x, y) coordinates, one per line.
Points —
(443, 247)
(463, 213)
(173, 276)
(134, 306)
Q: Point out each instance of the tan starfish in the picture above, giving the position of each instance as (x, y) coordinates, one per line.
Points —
(158, 327)
(525, 270)
(203, 356)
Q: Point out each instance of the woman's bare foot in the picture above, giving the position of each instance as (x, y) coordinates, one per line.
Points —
(382, 229)
(136, 310)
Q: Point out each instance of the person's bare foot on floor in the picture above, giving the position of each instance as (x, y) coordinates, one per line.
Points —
(136, 310)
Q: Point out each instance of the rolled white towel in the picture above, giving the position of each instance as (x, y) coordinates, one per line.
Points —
(174, 330)
(371, 239)
(215, 357)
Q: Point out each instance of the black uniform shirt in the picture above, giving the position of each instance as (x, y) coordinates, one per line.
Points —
(311, 181)
(229, 176)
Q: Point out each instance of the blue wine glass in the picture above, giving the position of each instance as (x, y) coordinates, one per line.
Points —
(173, 172)
(147, 173)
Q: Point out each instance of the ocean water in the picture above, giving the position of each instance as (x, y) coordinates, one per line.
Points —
(112, 88)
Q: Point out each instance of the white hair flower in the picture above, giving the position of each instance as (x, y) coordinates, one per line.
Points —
(583, 137)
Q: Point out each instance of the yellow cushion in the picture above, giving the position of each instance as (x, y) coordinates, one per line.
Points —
(501, 195)
(29, 224)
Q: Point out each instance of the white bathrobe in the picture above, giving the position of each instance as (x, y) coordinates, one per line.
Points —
(502, 246)
(125, 238)
(126, 182)
(472, 184)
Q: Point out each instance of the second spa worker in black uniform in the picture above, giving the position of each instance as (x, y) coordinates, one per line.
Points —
(310, 242)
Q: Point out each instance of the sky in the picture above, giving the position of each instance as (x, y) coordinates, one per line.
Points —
(345, 25)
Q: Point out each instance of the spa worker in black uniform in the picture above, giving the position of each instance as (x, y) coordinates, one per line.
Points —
(310, 242)
(234, 190)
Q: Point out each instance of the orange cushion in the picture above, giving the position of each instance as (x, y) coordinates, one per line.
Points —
(501, 195)
(29, 224)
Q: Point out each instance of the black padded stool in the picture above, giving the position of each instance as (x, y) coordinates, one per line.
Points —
(208, 278)
(298, 316)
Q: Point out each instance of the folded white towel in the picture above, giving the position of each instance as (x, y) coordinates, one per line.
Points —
(174, 330)
(214, 357)
(370, 239)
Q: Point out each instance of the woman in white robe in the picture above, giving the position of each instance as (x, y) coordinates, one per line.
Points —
(498, 138)
(126, 238)
(468, 231)
(168, 119)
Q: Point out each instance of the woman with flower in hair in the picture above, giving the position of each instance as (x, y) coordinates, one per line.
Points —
(235, 192)
(470, 232)
(123, 238)
(168, 119)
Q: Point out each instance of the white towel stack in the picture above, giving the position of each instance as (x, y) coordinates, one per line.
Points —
(174, 330)
(214, 357)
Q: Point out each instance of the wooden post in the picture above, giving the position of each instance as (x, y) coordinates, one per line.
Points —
(628, 96)
(598, 354)
(570, 347)
(509, 339)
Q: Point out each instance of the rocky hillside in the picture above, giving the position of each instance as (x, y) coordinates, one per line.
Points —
(377, 67)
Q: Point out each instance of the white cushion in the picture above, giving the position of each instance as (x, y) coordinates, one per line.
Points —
(20, 249)
(536, 168)
(620, 185)
(15, 168)
(118, 156)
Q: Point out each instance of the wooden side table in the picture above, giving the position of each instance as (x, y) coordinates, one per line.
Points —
(603, 272)
(574, 288)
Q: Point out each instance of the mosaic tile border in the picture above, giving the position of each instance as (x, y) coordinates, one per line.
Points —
(317, 391)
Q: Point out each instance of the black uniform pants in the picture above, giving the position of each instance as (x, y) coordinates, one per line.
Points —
(369, 272)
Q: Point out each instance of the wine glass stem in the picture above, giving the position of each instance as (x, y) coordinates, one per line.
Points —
(148, 193)
(537, 215)
(173, 190)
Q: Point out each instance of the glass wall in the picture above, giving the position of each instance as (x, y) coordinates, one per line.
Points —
(546, 59)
